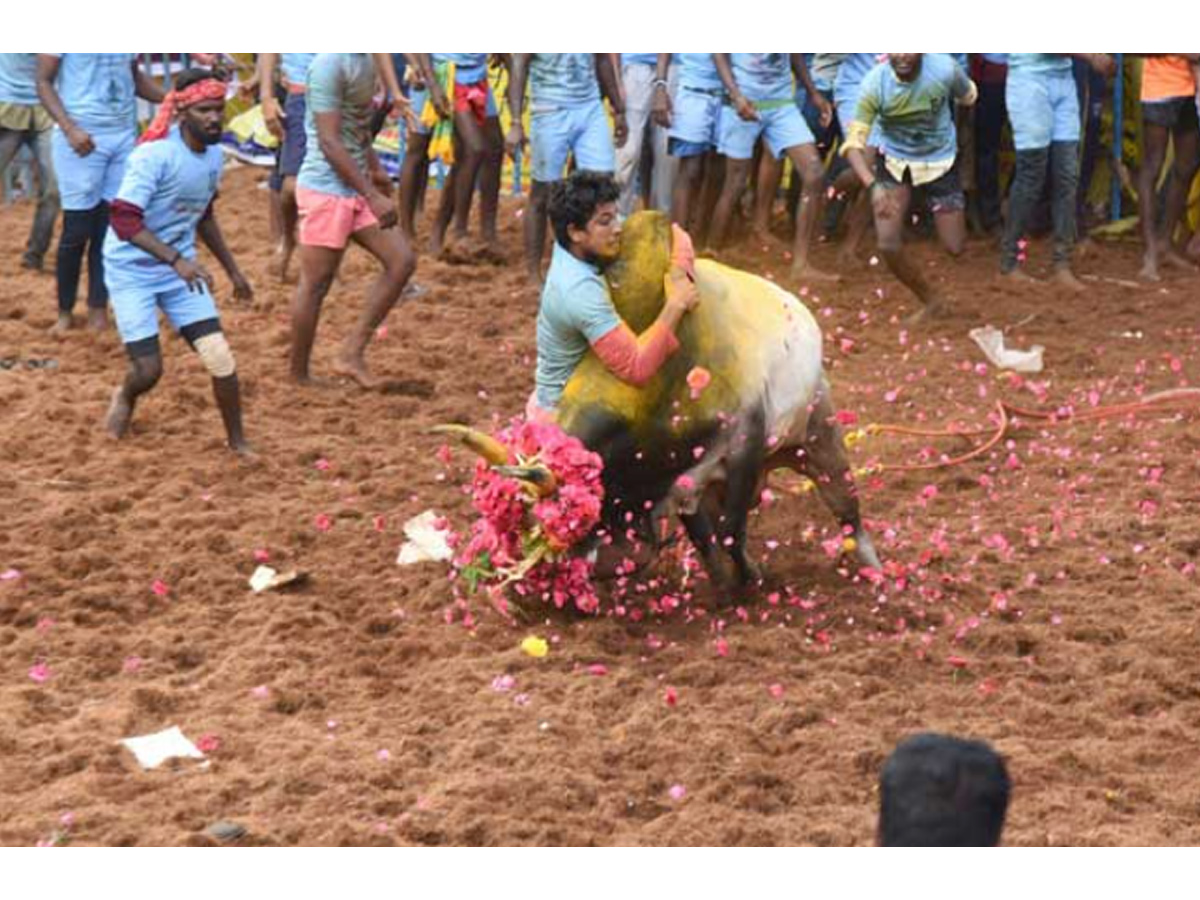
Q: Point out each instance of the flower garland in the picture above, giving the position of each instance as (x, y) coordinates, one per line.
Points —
(523, 540)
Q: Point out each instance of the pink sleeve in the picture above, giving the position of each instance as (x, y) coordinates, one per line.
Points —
(632, 359)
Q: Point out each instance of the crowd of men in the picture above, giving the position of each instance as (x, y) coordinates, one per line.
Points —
(693, 134)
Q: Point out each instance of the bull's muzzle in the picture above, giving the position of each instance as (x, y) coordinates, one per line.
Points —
(539, 480)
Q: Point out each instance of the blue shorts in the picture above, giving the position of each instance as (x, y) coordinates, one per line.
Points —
(136, 309)
(579, 130)
(694, 120)
(1043, 109)
(86, 181)
(295, 137)
(782, 128)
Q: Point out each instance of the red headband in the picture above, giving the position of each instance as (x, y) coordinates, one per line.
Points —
(208, 89)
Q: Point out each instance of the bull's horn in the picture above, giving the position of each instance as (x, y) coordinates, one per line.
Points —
(486, 446)
(539, 478)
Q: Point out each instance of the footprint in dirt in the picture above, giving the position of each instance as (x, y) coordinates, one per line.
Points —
(408, 387)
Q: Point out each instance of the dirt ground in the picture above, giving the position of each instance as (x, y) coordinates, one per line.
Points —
(1043, 598)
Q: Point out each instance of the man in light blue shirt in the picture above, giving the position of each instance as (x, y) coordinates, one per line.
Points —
(566, 119)
(908, 103)
(93, 98)
(24, 122)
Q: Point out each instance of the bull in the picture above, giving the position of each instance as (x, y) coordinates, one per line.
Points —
(669, 449)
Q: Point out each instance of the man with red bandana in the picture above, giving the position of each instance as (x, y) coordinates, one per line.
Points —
(164, 202)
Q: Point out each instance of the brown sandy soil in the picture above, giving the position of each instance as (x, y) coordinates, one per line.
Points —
(1059, 569)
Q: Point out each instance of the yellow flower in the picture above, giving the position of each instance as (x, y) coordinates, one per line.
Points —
(535, 647)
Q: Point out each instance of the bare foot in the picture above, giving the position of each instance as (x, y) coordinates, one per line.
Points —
(492, 252)
(65, 323)
(97, 319)
(243, 449)
(812, 273)
(120, 413)
(1065, 278)
(766, 242)
(355, 368)
(1149, 270)
(1020, 276)
(413, 291)
(309, 381)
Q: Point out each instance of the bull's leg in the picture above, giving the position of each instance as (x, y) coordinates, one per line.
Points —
(703, 535)
(826, 464)
(741, 491)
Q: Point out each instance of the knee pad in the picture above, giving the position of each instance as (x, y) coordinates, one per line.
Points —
(215, 353)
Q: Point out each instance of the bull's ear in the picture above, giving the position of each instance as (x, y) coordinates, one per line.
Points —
(485, 445)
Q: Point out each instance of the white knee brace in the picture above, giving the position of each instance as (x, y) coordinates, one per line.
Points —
(215, 353)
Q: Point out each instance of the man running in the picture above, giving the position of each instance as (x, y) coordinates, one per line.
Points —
(566, 119)
(1168, 116)
(911, 102)
(342, 193)
(24, 122)
(164, 201)
(92, 97)
(1043, 108)
(762, 103)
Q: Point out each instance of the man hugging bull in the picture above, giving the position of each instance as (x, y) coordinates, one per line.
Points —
(690, 402)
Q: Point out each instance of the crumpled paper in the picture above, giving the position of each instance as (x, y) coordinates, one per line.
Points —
(425, 543)
(267, 579)
(991, 341)
(152, 750)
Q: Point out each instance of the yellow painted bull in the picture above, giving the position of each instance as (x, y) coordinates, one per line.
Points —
(704, 454)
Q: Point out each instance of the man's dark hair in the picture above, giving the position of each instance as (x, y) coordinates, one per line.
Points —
(939, 791)
(574, 200)
(188, 77)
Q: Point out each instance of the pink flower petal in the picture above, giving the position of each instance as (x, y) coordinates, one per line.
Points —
(677, 792)
(40, 673)
(160, 588)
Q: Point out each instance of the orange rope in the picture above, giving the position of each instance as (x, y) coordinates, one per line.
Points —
(1007, 412)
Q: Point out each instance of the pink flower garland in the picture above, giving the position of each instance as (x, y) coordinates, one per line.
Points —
(524, 542)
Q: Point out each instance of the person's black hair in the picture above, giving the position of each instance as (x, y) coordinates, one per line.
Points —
(574, 200)
(938, 791)
(188, 77)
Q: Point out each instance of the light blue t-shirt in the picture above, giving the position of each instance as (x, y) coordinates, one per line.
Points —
(1039, 63)
(18, 78)
(644, 59)
(295, 66)
(915, 120)
(97, 90)
(854, 69)
(823, 67)
(763, 76)
(562, 80)
(173, 185)
(698, 72)
(343, 83)
(470, 67)
(576, 311)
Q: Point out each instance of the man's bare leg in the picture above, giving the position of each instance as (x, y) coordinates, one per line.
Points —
(144, 373)
(289, 218)
(490, 172)
(1154, 152)
(807, 161)
(396, 256)
(415, 164)
(737, 171)
(889, 229)
(535, 230)
(318, 265)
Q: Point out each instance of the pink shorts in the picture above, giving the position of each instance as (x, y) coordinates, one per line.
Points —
(328, 220)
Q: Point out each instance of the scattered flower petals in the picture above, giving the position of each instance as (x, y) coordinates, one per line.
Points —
(671, 697)
(323, 522)
(40, 673)
(503, 683)
(131, 664)
(776, 691)
(597, 669)
(208, 743)
(160, 588)
(677, 792)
